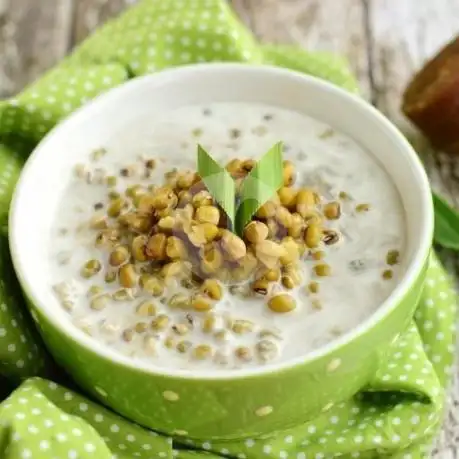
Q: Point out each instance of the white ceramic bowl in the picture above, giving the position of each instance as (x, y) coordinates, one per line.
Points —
(223, 405)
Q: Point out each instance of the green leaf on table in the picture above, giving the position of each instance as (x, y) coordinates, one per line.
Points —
(446, 231)
(260, 185)
(218, 181)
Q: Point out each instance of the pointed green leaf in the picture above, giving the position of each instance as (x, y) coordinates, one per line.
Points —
(446, 231)
(218, 181)
(260, 186)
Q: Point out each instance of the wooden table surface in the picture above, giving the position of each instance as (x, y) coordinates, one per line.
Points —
(384, 40)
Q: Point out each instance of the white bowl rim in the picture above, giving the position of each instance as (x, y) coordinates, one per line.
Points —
(408, 279)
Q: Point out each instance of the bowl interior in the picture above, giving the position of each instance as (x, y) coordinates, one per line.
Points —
(49, 169)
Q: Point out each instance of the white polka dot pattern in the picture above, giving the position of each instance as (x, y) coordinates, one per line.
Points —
(70, 435)
(403, 405)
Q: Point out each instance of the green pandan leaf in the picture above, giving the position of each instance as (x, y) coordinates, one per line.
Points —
(260, 186)
(218, 181)
(446, 231)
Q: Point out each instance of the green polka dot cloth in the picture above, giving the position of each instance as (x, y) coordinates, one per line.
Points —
(43, 415)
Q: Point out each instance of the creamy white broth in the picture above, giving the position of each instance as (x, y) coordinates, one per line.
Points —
(324, 159)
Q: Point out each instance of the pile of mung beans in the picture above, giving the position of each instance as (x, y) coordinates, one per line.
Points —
(177, 230)
(154, 237)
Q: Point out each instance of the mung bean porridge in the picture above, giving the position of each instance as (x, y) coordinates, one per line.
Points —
(143, 261)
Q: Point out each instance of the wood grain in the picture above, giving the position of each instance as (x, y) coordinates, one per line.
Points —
(403, 35)
(34, 35)
(330, 25)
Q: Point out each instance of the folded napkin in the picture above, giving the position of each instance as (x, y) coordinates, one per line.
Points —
(43, 414)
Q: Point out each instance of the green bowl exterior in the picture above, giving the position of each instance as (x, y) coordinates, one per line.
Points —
(239, 407)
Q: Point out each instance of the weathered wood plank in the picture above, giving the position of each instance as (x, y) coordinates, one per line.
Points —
(314, 25)
(34, 35)
(90, 14)
(404, 35)
(243, 10)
